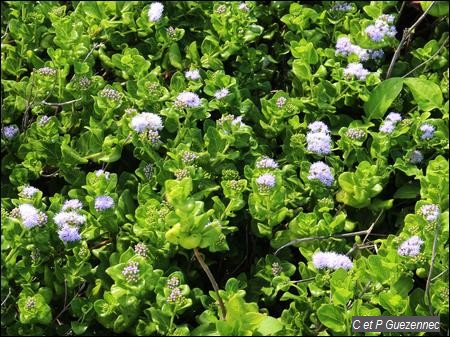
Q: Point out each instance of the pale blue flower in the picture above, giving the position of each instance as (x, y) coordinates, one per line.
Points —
(322, 172)
(331, 260)
(410, 247)
(155, 11)
(103, 202)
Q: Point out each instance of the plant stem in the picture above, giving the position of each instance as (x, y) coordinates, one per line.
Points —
(433, 257)
(366, 232)
(212, 280)
(407, 33)
(11, 253)
(428, 60)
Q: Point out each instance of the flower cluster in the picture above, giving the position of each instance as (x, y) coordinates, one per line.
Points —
(390, 122)
(173, 282)
(342, 7)
(266, 163)
(187, 99)
(357, 70)
(101, 172)
(430, 212)
(141, 249)
(318, 139)
(410, 247)
(276, 269)
(111, 94)
(10, 131)
(233, 120)
(29, 192)
(266, 182)
(221, 9)
(243, 7)
(72, 205)
(148, 170)
(171, 32)
(148, 124)
(192, 75)
(155, 11)
(331, 260)
(30, 303)
(47, 71)
(281, 101)
(103, 202)
(188, 157)
(322, 172)
(416, 157)
(345, 47)
(30, 216)
(427, 131)
(69, 221)
(84, 82)
(355, 134)
(381, 28)
(181, 173)
(43, 120)
(131, 272)
(222, 93)
(175, 296)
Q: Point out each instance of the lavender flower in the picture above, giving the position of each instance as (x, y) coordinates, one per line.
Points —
(243, 7)
(427, 131)
(219, 94)
(69, 218)
(355, 134)
(416, 157)
(155, 11)
(146, 121)
(101, 172)
(318, 143)
(265, 182)
(357, 70)
(31, 217)
(10, 131)
(175, 295)
(43, 120)
(381, 28)
(47, 71)
(344, 47)
(319, 126)
(188, 99)
(342, 7)
(376, 54)
(281, 101)
(237, 121)
(394, 117)
(192, 74)
(103, 202)
(141, 249)
(410, 247)
(131, 272)
(29, 191)
(430, 212)
(173, 282)
(111, 94)
(69, 233)
(181, 173)
(331, 260)
(153, 136)
(71, 205)
(266, 163)
(387, 127)
(322, 172)
(189, 157)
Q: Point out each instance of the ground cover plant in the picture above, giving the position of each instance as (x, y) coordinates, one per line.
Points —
(222, 168)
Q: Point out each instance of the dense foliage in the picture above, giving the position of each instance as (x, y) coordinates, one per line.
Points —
(296, 153)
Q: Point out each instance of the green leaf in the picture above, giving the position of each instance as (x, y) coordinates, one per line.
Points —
(270, 326)
(332, 317)
(301, 70)
(440, 8)
(410, 191)
(382, 97)
(175, 56)
(427, 94)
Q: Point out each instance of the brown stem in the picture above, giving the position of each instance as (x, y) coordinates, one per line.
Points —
(211, 279)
